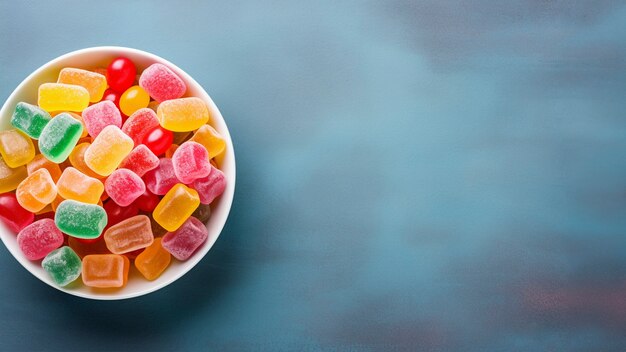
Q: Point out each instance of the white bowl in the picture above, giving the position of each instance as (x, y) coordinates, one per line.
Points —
(100, 57)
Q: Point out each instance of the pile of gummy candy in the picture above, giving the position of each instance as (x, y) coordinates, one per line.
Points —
(110, 167)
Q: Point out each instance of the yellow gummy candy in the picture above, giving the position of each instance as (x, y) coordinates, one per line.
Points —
(95, 83)
(108, 150)
(184, 114)
(210, 139)
(16, 148)
(60, 96)
(176, 207)
(10, 177)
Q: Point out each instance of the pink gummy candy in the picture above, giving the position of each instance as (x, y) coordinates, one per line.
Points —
(184, 241)
(210, 187)
(39, 238)
(139, 123)
(124, 186)
(161, 179)
(191, 162)
(100, 115)
(161, 83)
(140, 160)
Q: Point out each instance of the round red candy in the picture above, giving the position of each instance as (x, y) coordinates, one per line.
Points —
(121, 74)
(12, 214)
(158, 139)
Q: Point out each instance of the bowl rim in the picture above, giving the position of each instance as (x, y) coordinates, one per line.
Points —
(226, 199)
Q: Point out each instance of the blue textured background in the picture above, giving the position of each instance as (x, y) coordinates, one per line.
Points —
(412, 175)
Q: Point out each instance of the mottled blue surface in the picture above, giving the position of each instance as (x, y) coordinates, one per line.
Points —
(412, 175)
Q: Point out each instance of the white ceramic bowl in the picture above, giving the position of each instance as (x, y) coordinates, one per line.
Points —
(100, 57)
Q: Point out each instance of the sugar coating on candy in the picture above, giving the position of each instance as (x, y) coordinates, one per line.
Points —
(140, 160)
(36, 191)
(183, 242)
(60, 96)
(210, 187)
(191, 162)
(124, 186)
(161, 83)
(139, 123)
(183, 114)
(160, 180)
(30, 119)
(80, 220)
(95, 83)
(129, 235)
(59, 137)
(105, 270)
(16, 148)
(39, 238)
(100, 115)
(10, 177)
(12, 214)
(75, 185)
(41, 162)
(108, 150)
(63, 265)
(176, 207)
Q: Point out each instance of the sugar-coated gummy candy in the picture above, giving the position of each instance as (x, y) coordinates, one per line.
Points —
(160, 180)
(78, 118)
(140, 160)
(12, 214)
(210, 187)
(203, 213)
(183, 114)
(158, 140)
(108, 150)
(183, 242)
(117, 213)
(124, 186)
(139, 124)
(63, 265)
(16, 148)
(75, 185)
(93, 82)
(77, 160)
(161, 83)
(11, 177)
(36, 191)
(41, 162)
(39, 238)
(133, 99)
(210, 139)
(153, 260)
(105, 270)
(80, 220)
(60, 96)
(100, 115)
(176, 206)
(191, 162)
(30, 119)
(147, 201)
(59, 137)
(121, 74)
(129, 235)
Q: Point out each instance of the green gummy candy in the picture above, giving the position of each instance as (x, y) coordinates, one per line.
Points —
(79, 219)
(59, 137)
(63, 265)
(30, 119)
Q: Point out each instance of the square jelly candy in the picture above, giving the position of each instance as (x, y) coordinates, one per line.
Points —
(30, 119)
(63, 265)
(59, 137)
